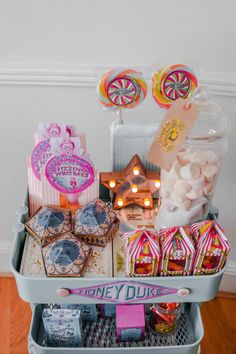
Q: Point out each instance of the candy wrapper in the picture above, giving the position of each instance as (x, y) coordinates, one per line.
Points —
(96, 223)
(178, 251)
(62, 327)
(142, 253)
(212, 247)
(48, 223)
(66, 256)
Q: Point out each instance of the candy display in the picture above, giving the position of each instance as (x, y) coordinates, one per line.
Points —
(173, 82)
(88, 311)
(132, 185)
(130, 322)
(121, 88)
(66, 256)
(212, 247)
(48, 223)
(164, 317)
(63, 328)
(177, 251)
(142, 253)
(96, 223)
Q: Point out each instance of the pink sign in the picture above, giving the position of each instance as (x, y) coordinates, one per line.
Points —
(123, 291)
(69, 173)
(39, 157)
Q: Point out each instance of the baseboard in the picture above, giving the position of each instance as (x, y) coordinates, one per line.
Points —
(221, 84)
(228, 283)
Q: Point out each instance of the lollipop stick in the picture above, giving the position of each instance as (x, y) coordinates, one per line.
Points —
(120, 116)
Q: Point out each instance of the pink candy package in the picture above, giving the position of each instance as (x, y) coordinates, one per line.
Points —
(212, 247)
(178, 251)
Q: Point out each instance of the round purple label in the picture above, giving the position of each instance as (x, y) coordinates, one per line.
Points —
(40, 156)
(69, 174)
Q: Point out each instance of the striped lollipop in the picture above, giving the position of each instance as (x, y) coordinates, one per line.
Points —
(121, 88)
(172, 82)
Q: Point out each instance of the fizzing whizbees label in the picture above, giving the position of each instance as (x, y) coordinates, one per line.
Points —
(69, 173)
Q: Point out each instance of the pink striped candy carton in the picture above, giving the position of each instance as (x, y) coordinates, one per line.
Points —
(142, 253)
(212, 247)
(177, 250)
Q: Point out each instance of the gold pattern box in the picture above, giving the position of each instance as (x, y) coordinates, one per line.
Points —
(96, 223)
(48, 223)
(67, 256)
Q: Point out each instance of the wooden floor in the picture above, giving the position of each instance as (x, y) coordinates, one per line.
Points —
(219, 318)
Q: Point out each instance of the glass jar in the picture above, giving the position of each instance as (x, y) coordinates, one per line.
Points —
(164, 317)
(187, 190)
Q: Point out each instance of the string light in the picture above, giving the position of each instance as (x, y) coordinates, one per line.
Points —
(134, 188)
(112, 183)
(157, 183)
(147, 202)
(120, 202)
(136, 171)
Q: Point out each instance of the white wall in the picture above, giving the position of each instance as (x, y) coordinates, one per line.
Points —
(43, 42)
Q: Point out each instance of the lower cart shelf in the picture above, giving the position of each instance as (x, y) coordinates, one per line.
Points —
(102, 338)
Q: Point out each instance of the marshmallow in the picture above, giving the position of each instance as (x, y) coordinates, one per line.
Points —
(184, 156)
(209, 171)
(182, 186)
(198, 183)
(211, 157)
(176, 197)
(204, 157)
(190, 171)
(194, 194)
(184, 205)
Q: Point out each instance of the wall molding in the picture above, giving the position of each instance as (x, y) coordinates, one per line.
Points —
(221, 84)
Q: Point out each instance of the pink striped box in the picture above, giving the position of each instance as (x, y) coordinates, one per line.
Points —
(177, 251)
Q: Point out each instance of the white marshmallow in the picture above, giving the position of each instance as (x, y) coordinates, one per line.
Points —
(182, 186)
(184, 156)
(184, 205)
(176, 197)
(190, 171)
(211, 157)
(209, 171)
(198, 183)
(198, 156)
(204, 157)
(194, 194)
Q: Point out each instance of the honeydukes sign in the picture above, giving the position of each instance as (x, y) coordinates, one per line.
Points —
(123, 291)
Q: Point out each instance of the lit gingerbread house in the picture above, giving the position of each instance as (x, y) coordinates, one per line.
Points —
(142, 253)
(212, 247)
(177, 250)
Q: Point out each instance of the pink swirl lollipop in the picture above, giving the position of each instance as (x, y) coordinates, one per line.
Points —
(121, 88)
